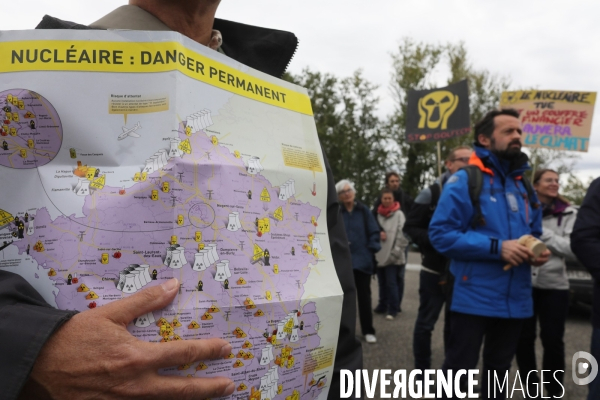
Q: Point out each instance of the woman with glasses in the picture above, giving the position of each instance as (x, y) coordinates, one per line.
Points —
(550, 289)
(363, 239)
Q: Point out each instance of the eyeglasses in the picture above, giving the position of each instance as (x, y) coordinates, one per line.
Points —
(346, 191)
(463, 159)
(548, 180)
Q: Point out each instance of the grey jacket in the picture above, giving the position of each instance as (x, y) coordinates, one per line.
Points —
(393, 249)
(556, 235)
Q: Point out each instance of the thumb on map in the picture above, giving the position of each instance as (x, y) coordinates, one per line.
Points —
(154, 298)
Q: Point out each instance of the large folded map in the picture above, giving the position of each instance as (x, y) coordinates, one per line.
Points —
(128, 158)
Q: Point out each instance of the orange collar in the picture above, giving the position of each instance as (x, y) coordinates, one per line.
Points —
(474, 160)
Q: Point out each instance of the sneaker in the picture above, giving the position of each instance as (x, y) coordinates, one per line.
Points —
(389, 317)
(370, 338)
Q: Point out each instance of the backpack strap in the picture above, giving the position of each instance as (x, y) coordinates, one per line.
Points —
(530, 192)
(436, 191)
(475, 177)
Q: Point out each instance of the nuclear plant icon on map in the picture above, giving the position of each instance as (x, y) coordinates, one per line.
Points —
(156, 162)
(83, 187)
(199, 120)
(316, 245)
(288, 326)
(267, 355)
(175, 258)
(287, 190)
(254, 166)
(175, 151)
(268, 382)
(144, 321)
(206, 257)
(134, 278)
(234, 222)
(223, 272)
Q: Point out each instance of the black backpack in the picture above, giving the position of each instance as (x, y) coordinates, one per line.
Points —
(475, 177)
(436, 191)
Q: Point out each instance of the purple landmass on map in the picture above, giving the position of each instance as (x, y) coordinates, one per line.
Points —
(30, 130)
(134, 229)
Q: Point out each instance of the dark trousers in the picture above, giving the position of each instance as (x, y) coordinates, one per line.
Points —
(550, 308)
(432, 296)
(391, 288)
(363, 294)
(594, 386)
(499, 337)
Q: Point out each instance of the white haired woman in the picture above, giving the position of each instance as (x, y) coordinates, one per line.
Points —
(363, 239)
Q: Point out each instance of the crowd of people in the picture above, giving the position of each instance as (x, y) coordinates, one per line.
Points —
(469, 227)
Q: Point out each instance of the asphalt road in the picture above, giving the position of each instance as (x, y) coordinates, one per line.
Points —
(393, 349)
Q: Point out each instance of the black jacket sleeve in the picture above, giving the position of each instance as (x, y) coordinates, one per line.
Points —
(417, 223)
(407, 202)
(27, 323)
(585, 241)
(585, 238)
(349, 350)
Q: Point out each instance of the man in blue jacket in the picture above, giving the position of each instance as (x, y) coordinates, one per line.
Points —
(489, 303)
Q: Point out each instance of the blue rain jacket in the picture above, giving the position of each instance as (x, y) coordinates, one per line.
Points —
(482, 287)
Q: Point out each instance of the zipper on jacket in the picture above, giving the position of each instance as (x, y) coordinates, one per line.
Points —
(292, 57)
(525, 199)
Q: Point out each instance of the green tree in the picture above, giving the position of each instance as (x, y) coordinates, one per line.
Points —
(417, 66)
(352, 136)
(561, 161)
(575, 189)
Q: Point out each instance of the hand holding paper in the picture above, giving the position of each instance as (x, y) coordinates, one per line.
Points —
(525, 248)
(94, 356)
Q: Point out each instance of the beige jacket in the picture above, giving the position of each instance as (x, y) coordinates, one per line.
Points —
(393, 249)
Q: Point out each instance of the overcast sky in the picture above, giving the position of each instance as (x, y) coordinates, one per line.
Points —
(543, 44)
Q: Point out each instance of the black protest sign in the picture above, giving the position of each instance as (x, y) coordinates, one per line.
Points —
(438, 114)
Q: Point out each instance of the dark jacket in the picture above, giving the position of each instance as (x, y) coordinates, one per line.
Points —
(417, 226)
(482, 286)
(363, 237)
(28, 321)
(585, 240)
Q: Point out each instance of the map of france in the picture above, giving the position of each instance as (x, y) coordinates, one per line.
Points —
(187, 204)
(143, 177)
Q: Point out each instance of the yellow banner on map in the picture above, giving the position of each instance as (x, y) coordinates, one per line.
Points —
(144, 57)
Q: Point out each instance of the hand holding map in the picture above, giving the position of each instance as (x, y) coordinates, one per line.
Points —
(215, 191)
(95, 348)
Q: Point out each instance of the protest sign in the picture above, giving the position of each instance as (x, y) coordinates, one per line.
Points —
(553, 119)
(438, 114)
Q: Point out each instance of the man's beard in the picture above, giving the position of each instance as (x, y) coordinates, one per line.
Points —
(510, 153)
